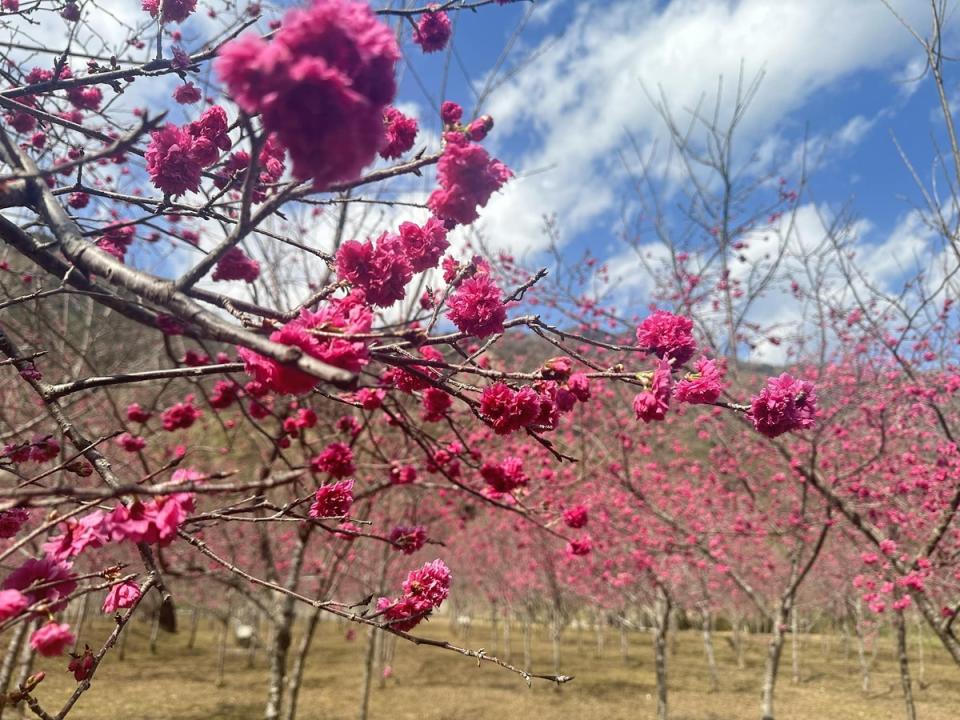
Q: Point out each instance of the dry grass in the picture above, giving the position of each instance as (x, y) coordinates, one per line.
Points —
(430, 684)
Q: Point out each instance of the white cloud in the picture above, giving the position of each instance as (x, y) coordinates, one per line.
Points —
(586, 89)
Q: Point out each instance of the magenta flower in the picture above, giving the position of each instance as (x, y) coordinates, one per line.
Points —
(52, 639)
(653, 404)
(401, 132)
(507, 410)
(785, 404)
(433, 31)
(154, 522)
(320, 86)
(180, 416)
(476, 307)
(436, 403)
(187, 94)
(122, 595)
(575, 517)
(336, 459)
(173, 10)
(53, 579)
(583, 546)
(333, 500)
(468, 177)
(340, 318)
(667, 336)
(504, 477)
(235, 265)
(423, 591)
(450, 112)
(12, 603)
(381, 270)
(172, 162)
(408, 539)
(430, 584)
(87, 532)
(704, 388)
(11, 521)
(424, 246)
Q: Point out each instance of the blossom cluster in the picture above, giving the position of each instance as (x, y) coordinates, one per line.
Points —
(536, 407)
(423, 591)
(176, 155)
(320, 85)
(383, 269)
(339, 318)
(468, 177)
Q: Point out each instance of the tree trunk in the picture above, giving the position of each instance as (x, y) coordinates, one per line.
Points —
(10, 659)
(222, 648)
(708, 649)
(943, 632)
(661, 629)
(922, 675)
(599, 629)
(904, 663)
(737, 629)
(774, 650)
(81, 619)
(845, 640)
(527, 660)
(507, 645)
(368, 673)
(795, 645)
(299, 665)
(194, 622)
(624, 642)
(283, 618)
(556, 631)
(861, 647)
(27, 657)
(154, 632)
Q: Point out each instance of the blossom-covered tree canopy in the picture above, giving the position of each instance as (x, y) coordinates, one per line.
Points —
(263, 336)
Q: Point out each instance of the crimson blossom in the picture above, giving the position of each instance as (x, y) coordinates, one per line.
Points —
(321, 86)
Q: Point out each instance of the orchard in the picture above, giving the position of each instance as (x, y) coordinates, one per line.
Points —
(319, 397)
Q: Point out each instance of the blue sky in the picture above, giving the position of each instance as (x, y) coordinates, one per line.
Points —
(838, 72)
(572, 90)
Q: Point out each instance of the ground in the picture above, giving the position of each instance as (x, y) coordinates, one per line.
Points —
(430, 684)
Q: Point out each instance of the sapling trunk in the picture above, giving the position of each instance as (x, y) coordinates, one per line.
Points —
(921, 676)
(194, 622)
(904, 664)
(599, 629)
(507, 645)
(795, 645)
(556, 631)
(284, 614)
(10, 658)
(368, 658)
(772, 666)
(299, 665)
(708, 650)
(661, 631)
(154, 631)
(861, 647)
(222, 648)
(624, 642)
(24, 671)
(527, 660)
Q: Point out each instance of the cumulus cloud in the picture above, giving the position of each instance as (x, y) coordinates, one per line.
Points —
(585, 91)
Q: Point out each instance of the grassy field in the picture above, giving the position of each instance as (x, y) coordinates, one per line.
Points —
(431, 684)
